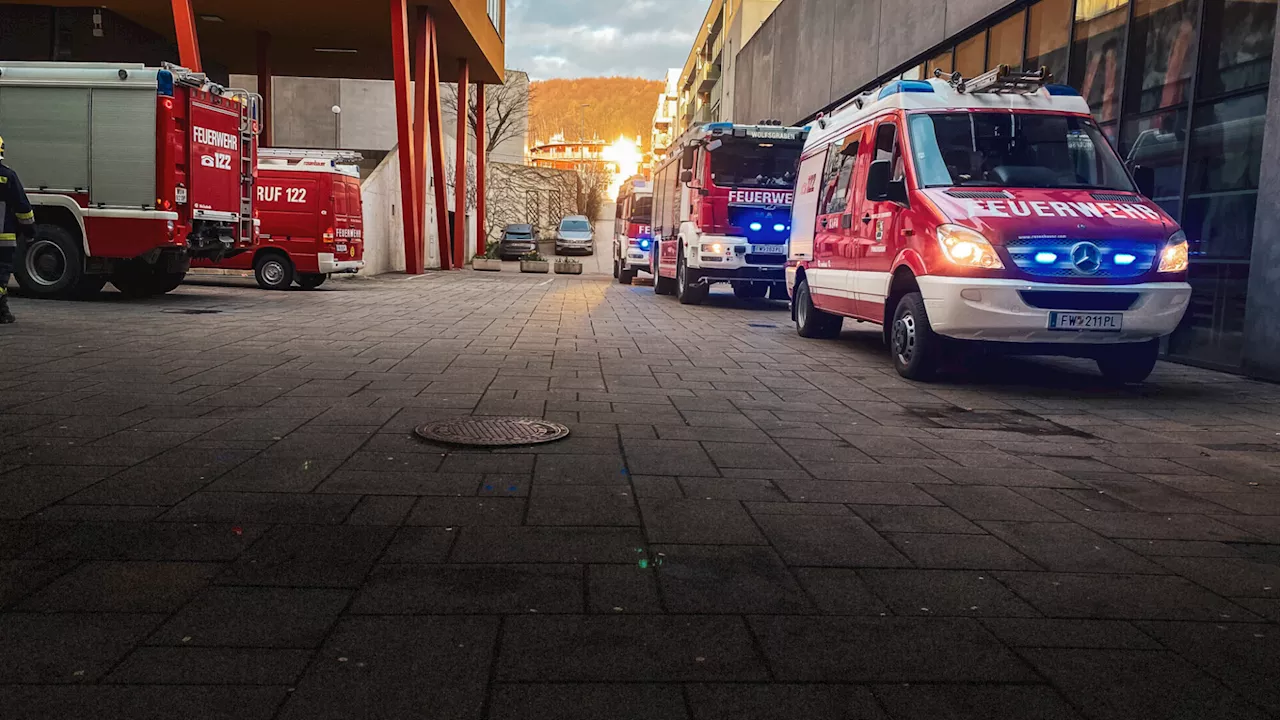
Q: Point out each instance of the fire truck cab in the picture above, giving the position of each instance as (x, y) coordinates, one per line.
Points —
(632, 229)
(132, 170)
(722, 210)
(989, 212)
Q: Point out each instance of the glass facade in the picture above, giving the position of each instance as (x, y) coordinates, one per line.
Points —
(1178, 86)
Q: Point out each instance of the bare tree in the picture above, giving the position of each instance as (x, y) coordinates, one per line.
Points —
(522, 194)
(506, 109)
(593, 188)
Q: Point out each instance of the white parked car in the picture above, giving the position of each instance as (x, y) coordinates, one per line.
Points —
(575, 234)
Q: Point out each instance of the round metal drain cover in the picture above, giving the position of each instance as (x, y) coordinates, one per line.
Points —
(493, 431)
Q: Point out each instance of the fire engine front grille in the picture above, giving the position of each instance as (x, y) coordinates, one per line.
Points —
(980, 194)
(1077, 300)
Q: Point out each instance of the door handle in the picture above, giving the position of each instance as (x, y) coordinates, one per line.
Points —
(866, 219)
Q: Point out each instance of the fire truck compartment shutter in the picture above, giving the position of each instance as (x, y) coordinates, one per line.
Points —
(46, 132)
(123, 158)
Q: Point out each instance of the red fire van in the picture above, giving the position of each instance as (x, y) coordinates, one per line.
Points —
(989, 211)
(312, 219)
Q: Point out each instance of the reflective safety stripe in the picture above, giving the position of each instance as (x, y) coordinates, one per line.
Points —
(26, 217)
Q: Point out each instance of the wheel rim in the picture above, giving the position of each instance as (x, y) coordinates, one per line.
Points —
(46, 262)
(904, 338)
(802, 312)
(680, 279)
(273, 272)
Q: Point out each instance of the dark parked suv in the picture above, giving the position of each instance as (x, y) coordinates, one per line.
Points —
(516, 241)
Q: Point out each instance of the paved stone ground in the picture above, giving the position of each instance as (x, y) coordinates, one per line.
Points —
(212, 507)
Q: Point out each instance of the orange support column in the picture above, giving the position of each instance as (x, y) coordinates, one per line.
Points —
(460, 167)
(410, 189)
(481, 131)
(184, 25)
(435, 136)
(422, 49)
(264, 87)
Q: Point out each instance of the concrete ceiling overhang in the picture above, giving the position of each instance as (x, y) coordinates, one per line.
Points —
(305, 34)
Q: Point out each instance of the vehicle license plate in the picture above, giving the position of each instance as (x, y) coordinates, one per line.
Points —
(340, 247)
(1090, 322)
(768, 250)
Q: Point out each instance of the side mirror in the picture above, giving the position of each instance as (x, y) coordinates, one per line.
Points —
(687, 159)
(878, 180)
(686, 176)
(1145, 179)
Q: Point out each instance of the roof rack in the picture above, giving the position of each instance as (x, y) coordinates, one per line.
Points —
(1002, 80)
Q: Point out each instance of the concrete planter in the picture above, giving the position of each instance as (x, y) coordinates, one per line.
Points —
(568, 268)
(535, 266)
(487, 264)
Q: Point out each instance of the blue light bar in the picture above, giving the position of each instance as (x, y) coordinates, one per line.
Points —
(1125, 259)
(1062, 90)
(164, 83)
(905, 86)
(1046, 258)
(711, 127)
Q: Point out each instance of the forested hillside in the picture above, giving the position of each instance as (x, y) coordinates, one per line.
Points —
(617, 106)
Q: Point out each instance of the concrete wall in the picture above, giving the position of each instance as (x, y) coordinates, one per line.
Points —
(1261, 330)
(812, 53)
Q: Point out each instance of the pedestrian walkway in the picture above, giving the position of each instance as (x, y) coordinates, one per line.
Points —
(212, 506)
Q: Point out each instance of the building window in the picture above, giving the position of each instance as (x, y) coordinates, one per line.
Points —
(971, 56)
(495, 14)
(1005, 44)
(1222, 177)
(1238, 35)
(1048, 37)
(1162, 54)
(1159, 142)
(1097, 55)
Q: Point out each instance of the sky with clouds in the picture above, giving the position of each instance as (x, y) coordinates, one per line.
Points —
(588, 38)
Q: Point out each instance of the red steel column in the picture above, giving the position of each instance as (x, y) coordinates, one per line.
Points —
(481, 161)
(435, 136)
(409, 188)
(264, 88)
(184, 25)
(460, 167)
(422, 48)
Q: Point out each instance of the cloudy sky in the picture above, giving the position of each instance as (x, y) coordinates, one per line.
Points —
(585, 38)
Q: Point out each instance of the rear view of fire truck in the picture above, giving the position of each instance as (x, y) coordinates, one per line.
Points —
(132, 171)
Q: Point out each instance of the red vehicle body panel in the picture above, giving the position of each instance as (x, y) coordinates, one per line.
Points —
(305, 213)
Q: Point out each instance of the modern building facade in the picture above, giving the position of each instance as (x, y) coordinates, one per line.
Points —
(559, 153)
(705, 90)
(1181, 86)
(664, 117)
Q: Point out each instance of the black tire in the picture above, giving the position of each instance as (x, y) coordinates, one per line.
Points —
(615, 267)
(916, 348)
(1130, 363)
(625, 276)
(51, 264)
(135, 279)
(812, 322)
(688, 291)
(311, 281)
(750, 291)
(273, 271)
(166, 282)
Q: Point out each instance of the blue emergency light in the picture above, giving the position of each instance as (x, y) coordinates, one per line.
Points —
(905, 86)
(1046, 258)
(755, 227)
(1125, 259)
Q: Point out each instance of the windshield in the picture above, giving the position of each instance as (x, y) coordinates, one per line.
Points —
(755, 165)
(575, 226)
(642, 210)
(992, 149)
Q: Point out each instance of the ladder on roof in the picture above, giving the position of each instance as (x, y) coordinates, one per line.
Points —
(338, 157)
(1001, 80)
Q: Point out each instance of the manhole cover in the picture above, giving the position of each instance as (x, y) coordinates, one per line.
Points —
(493, 431)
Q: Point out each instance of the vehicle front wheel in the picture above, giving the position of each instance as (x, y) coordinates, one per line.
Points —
(688, 290)
(615, 267)
(916, 348)
(1129, 364)
(626, 275)
(311, 281)
(50, 264)
(812, 322)
(273, 271)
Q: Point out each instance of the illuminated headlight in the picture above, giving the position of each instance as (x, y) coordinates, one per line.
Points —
(755, 226)
(968, 248)
(1177, 255)
(713, 248)
(779, 227)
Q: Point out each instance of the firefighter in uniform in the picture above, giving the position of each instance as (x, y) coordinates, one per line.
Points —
(17, 218)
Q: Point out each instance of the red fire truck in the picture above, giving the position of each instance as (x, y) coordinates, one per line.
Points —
(132, 170)
(632, 229)
(312, 222)
(722, 210)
